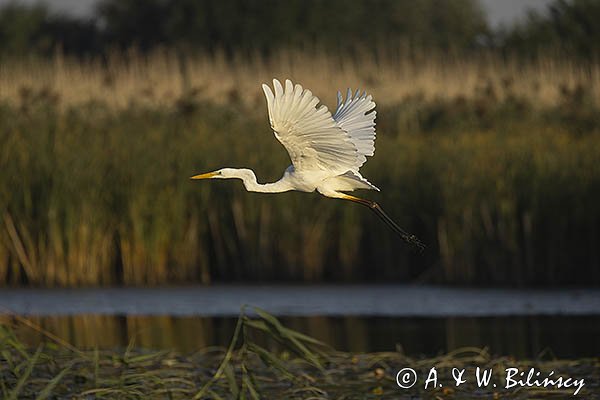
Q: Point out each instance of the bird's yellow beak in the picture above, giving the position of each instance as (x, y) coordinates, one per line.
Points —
(208, 175)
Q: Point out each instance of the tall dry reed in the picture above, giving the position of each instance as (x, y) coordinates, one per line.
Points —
(161, 78)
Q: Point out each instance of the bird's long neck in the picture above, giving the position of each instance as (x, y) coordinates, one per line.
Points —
(249, 179)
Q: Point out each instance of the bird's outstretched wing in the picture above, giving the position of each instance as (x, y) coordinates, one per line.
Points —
(310, 135)
(353, 116)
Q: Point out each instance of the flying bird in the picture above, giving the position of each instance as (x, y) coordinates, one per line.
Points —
(326, 150)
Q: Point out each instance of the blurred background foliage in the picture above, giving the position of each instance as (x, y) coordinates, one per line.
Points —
(238, 26)
(569, 27)
(488, 143)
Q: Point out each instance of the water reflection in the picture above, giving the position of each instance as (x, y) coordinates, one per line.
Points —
(570, 337)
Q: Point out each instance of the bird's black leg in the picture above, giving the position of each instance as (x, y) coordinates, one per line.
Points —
(376, 208)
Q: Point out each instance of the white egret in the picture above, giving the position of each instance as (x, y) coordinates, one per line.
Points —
(326, 150)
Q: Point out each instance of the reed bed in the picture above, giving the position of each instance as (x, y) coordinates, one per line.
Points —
(494, 165)
(161, 78)
(264, 359)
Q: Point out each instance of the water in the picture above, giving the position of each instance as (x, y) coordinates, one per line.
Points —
(356, 300)
(419, 320)
(564, 337)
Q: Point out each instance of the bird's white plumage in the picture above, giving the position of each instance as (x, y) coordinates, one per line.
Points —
(356, 116)
(326, 150)
(313, 139)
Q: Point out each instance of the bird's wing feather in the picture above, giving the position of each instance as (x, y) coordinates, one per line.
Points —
(355, 180)
(353, 116)
(310, 135)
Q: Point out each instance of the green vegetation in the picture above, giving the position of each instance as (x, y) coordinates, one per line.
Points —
(263, 360)
(32, 30)
(498, 173)
(237, 26)
(568, 27)
(262, 28)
